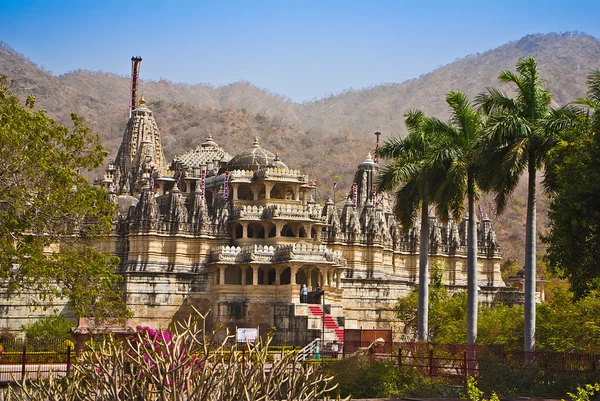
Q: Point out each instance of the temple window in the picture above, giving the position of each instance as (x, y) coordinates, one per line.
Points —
(276, 193)
(285, 276)
(255, 231)
(302, 233)
(238, 231)
(233, 275)
(244, 193)
(287, 231)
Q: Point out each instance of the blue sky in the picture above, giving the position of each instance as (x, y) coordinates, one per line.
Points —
(299, 49)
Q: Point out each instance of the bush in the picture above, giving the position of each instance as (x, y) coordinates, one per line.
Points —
(187, 364)
(363, 378)
(49, 328)
(513, 380)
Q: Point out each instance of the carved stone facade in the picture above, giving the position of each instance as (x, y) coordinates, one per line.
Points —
(239, 235)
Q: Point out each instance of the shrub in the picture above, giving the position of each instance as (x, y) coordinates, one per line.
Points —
(187, 364)
(364, 378)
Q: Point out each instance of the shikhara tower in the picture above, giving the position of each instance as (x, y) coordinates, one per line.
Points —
(140, 153)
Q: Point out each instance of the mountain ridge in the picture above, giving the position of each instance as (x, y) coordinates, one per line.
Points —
(327, 138)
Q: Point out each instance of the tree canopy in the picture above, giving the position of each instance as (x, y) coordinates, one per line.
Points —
(573, 177)
(50, 214)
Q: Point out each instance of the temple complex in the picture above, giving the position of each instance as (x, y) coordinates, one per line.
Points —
(239, 236)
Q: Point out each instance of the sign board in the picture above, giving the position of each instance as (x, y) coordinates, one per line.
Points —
(246, 335)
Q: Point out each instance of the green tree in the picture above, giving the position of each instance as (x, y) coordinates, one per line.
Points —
(50, 214)
(573, 176)
(499, 324)
(519, 140)
(415, 182)
(457, 152)
(49, 328)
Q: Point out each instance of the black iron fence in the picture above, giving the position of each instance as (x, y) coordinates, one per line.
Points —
(35, 359)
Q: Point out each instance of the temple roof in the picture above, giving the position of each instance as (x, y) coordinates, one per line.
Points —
(208, 152)
(254, 159)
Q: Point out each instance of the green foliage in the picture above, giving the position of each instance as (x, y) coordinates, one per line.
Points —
(49, 214)
(187, 364)
(499, 324)
(574, 179)
(585, 393)
(511, 379)
(50, 327)
(473, 393)
(566, 324)
(362, 378)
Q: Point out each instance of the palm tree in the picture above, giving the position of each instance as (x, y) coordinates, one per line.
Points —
(457, 152)
(415, 184)
(519, 140)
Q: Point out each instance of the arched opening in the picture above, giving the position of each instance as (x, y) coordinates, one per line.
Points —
(273, 232)
(276, 193)
(287, 231)
(263, 275)
(233, 275)
(249, 273)
(255, 230)
(244, 193)
(285, 277)
(315, 278)
(239, 231)
(272, 276)
(313, 233)
(183, 186)
(302, 233)
(301, 277)
(261, 193)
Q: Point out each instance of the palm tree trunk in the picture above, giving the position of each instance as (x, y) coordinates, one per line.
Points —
(530, 259)
(472, 279)
(423, 334)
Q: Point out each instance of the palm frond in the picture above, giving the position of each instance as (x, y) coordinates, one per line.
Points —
(493, 101)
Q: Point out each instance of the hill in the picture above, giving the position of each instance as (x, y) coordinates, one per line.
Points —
(326, 138)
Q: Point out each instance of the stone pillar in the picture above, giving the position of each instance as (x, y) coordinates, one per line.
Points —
(308, 277)
(244, 229)
(278, 227)
(235, 191)
(255, 274)
(319, 229)
(244, 268)
(296, 192)
(255, 192)
(221, 275)
(293, 272)
(338, 279)
(268, 188)
(278, 276)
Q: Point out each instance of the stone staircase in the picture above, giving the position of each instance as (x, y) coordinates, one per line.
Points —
(330, 323)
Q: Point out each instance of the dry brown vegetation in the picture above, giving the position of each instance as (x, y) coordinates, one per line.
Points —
(326, 138)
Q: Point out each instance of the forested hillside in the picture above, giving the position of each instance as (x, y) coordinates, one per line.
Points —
(326, 138)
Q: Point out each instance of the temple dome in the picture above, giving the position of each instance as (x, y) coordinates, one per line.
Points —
(254, 159)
